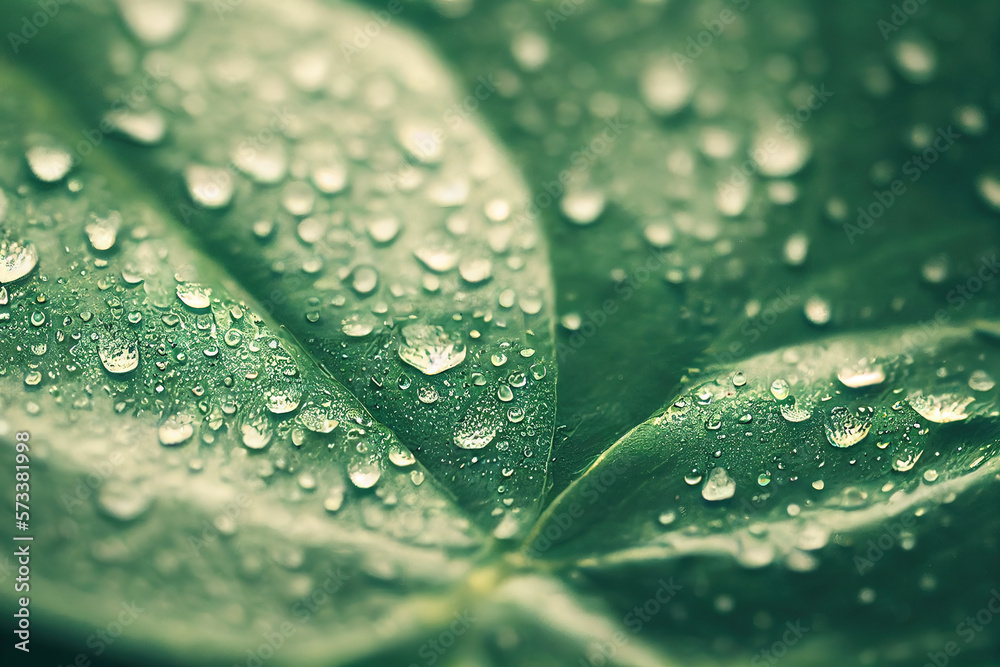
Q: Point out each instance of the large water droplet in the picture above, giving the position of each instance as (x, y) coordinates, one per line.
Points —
(430, 349)
(198, 297)
(119, 352)
(103, 232)
(209, 187)
(718, 486)
(146, 128)
(582, 207)
(49, 163)
(941, 408)
(844, 429)
(780, 154)
(176, 430)
(17, 259)
(364, 473)
(865, 373)
(153, 22)
(664, 87)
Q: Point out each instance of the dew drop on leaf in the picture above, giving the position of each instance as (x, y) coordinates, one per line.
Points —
(845, 429)
(430, 349)
(17, 259)
(718, 486)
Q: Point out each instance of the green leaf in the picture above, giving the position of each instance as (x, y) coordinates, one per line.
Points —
(186, 455)
(349, 190)
(290, 257)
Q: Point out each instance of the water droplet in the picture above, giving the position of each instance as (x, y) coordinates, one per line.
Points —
(436, 258)
(265, 164)
(515, 415)
(428, 395)
(284, 402)
(794, 413)
(739, 379)
(209, 187)
(154, 22)
(504, 393)
(796, 249)
(719, 486)
(475, 270)
(176, 431)
(905, 459)
(988, 186)
(102, 232)
(383, 230)
(256, 435)
(146, 128)
(538, 371)
(119, 352)
(430, 349)
(192, 295)
(364, 279)
(980, 380)
(865, 373)
(664, 87)
(475, 431)
(779, 389)
(49, 164)
(915, 58)
(364, 473)
(941, 408)
(298, 198)
(845, 429)
(659, 234)
(317, 420)
(124, 501)
(764, 478)
(17, 259)
(779, 154)
(357, 325)
(817, 311)
(667, 518)
(330, 179)
(401, 456)
(582, 207)
(334, 499)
